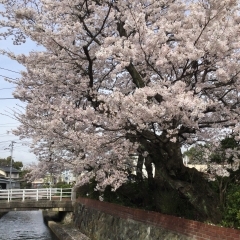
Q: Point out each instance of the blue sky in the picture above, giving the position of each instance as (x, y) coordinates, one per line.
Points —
(20, 150)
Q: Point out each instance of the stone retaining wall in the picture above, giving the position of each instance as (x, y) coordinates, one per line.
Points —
(103, 221)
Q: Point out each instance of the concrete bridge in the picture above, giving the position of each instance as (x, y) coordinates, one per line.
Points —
(55, 199)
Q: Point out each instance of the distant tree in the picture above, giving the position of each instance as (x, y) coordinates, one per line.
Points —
(222, 160)
(24, 176)
(196, 154)
(24, 173)
(7, 162)
(18, 165)
(232, 210)
(223, 165)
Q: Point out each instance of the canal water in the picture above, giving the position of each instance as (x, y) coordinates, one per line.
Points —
(24, 225)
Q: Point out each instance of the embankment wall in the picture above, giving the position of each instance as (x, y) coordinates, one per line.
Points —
(102, 221)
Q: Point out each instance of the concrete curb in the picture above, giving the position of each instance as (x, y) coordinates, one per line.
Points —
(66, 231)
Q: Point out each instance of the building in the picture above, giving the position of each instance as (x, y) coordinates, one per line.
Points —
(49, 180)
(68, 177)
(9, 180)
(199, 167)
(38, 183)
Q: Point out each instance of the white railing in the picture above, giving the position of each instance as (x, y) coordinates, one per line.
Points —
(36, 194)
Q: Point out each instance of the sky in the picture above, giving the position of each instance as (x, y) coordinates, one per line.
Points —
(11, 69)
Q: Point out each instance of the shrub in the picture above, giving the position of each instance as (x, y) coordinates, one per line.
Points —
(232, 212)
(62, 185)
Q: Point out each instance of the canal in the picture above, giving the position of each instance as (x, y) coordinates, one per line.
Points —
(24, 225)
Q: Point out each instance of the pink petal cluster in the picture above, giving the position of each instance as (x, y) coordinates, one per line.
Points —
(116, 72)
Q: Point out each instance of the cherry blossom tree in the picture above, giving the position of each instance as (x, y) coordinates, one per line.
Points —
(127, 77)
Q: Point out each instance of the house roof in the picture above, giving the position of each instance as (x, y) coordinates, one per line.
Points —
(7, 169)
(2, 180)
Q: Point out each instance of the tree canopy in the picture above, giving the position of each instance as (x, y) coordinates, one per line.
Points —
(127, 77)
(7, 162)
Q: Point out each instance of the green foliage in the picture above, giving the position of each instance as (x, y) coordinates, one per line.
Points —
(132, 194)
(62, 185)
(232, 212)
(18, 165)
(87, 190)
(219, 156)
(23, 173)
(138, 194)
(7, 162)
(25, 185)
(229, 142)
(195, 154)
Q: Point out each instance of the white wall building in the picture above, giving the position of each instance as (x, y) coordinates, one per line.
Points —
(68, 176)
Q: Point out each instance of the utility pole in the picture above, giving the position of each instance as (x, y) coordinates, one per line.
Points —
(11, 164)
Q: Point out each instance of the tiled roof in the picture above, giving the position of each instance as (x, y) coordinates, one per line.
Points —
(7, 180)
(7, 169)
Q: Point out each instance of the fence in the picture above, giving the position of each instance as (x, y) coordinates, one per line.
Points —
(36, 194)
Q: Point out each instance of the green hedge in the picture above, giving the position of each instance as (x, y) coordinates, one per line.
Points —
(232, 211)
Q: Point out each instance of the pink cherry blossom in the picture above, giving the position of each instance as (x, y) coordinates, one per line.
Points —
(126, 77)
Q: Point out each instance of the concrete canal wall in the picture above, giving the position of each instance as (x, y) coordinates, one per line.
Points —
(66, 231)
(108, 221)
(97, 220)
(62, 226)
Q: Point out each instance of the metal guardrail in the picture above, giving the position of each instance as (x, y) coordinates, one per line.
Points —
(36, 194)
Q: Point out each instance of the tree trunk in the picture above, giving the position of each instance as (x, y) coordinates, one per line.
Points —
(140, 167)
(190, 184)
(222, 187)
(149, 169)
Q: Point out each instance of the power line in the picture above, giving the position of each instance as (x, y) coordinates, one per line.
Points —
(3, 146)
(6, 135)
(1, 124)
(10, 126)
(7, 88)
(17, 150)
(6, 141)
(9, 70)
(7, 77)
(7, 98)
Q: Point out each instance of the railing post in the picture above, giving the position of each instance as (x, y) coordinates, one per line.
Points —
(50, 194)
(47, 194)
(61, 194)
(8, 195)
(11, 195)
(73, 195)
(37, 194)
(23, 197)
